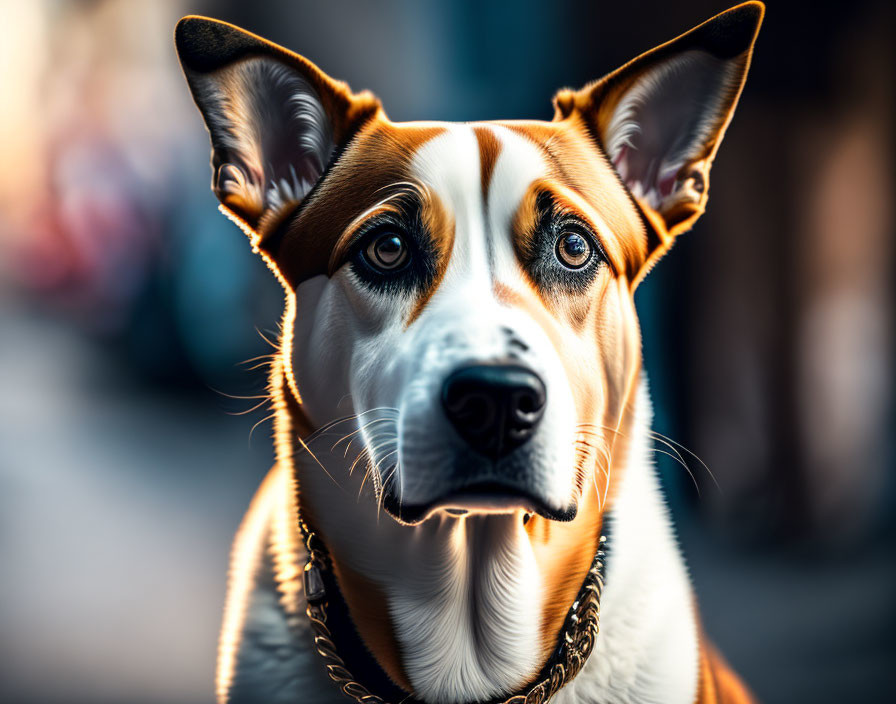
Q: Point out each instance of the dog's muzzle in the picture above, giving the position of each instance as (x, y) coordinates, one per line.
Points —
(495, 410)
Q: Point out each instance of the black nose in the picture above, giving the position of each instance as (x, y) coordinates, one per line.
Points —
(495, 408)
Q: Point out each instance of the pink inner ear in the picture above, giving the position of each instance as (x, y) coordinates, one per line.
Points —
(666, 184)
(653, 189)
(619, 161)
(666, 118)
(630, 167)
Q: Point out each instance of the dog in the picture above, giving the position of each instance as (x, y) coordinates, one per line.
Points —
(463, 507)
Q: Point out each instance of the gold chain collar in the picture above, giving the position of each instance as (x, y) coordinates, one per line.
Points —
(575, 644)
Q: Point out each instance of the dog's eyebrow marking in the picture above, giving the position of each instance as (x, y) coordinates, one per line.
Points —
(439, 225)
(405, 195)
(552, 197)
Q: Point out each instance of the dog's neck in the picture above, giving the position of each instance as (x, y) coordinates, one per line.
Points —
(464, 631)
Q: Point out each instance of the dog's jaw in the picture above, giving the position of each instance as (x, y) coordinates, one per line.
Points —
(647, 649)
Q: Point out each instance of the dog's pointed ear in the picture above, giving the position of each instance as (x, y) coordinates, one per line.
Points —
(660, 118)
(274, 118)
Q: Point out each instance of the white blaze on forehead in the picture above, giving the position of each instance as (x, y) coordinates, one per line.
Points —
(450, 165)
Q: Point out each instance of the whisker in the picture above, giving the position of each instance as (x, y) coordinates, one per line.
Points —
(609, 468)
(326, 427)
(673, 445)
(382, 499)
(587, 450)
(266, 418)
(264, 337)
(364, 451)
(346, 419)
(691, 453)
(615, 431)
(686, 468)
(377, 486)
(239, 397)
(348, 446)
(360, 430)
(600, 503)
(264, 399)
(681, 459)
(319, 463)
(271, 356)
(380, 462)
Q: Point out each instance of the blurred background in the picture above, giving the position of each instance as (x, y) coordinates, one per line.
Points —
(127, 304)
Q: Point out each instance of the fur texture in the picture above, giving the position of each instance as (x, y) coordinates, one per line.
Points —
(272, 137)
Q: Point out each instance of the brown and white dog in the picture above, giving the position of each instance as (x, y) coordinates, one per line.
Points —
(460, 331)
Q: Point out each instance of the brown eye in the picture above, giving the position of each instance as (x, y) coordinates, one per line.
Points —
(387, 252)
(573, 250)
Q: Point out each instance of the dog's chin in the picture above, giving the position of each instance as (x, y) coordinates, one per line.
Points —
(480, 498)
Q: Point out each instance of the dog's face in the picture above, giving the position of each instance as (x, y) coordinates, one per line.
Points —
(481, 298)
(462, 294)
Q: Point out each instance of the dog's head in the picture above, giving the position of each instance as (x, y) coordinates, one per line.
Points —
(464, 292)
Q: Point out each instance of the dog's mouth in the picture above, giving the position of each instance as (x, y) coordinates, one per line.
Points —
(481, 497)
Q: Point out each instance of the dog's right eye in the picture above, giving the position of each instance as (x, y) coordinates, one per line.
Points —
(391, 257)
(387, 252)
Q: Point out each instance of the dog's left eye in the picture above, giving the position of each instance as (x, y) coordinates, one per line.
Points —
(387, 251)
(573, 250)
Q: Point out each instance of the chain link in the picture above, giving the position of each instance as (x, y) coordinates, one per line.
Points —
(575, 643)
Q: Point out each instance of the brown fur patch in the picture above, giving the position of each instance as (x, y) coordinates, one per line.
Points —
(718, 683)
(564, 551)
